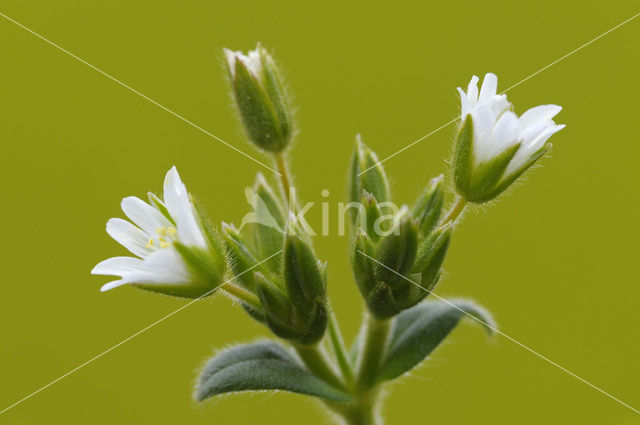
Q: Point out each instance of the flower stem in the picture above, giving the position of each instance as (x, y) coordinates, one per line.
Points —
(339, 349)
(285, 182)
(374, 344)
(455, 211)
(243, 295)
(316, 360)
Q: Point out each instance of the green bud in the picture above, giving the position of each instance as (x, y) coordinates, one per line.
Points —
(367, 174)
(278, 311)
(428, 207)
(260, 97)
(431, 254)
(396, 252)
(305, 284)
(369, 217)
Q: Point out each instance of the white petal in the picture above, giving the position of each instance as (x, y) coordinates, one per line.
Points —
(113, 284)
(144, 215)
(465, 105)
(117, 266)
(179, 206)
(483, 122)
(472, 89)
(524, 153)
(231, 60)
(505, 133)
(129, 236)
(489, 87)
(539, 113)
(163, 266)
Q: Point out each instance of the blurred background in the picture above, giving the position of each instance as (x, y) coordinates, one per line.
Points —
(555, 260)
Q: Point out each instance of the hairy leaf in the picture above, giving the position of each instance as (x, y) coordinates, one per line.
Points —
(418, 331)
(264, 365)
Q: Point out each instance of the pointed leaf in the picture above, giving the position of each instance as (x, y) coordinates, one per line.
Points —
(418, 331)
(264, 365)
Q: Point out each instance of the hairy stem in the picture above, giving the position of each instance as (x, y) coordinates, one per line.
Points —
(316, 360)
(243, 295)
(455, 211)
(339, 349)
(374, 343)
(285, 182)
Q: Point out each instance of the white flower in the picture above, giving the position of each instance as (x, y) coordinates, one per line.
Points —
(494, 145)
(156, 229)
(497, 128)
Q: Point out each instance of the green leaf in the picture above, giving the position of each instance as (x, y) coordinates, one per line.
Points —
(418, 331)
(264, 365)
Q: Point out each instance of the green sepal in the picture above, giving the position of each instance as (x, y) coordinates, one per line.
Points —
(362, 265)
(302, 276)
(428, 208)
(160, 206)
(276, 93)
(487, 175)
(508, 180)
(263, 365)
(306, 288)
(278, 310)
(203, 266)
(241, 257)
(214, 241)
(268, 231)
(431, 254)
(418, 331)
(373, 178)
(463, 156)
(259, 117)
(369, 216)
(396, 252)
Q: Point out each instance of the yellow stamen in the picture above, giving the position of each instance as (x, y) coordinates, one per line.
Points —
(149, 244)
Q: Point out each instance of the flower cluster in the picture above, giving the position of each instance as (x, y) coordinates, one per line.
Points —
(269, 266)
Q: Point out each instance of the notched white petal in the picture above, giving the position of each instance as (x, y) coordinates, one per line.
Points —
(129, 236)
(117, 266)
(143, 215)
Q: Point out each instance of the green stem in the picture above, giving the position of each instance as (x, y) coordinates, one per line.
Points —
(285, 182)
(339, 349)
(243, 295)
(316, 360)
(375, 335)
(455, 211)
(363, 412)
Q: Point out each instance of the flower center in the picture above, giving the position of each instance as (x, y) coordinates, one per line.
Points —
(165, 237)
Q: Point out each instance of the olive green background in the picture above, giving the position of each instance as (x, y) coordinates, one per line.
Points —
(556, 260)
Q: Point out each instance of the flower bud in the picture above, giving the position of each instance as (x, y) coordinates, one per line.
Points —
(305, 284)
(367, 174)
(494, 146)
(260, 97)
(432, 251)
(428, 207)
